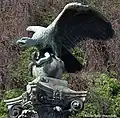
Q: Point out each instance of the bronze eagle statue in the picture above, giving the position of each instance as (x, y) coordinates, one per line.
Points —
(75, 23)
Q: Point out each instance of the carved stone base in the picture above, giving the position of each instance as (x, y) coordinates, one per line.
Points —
(48, 98)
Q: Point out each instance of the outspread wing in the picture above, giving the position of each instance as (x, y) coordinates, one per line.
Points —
(78, 22)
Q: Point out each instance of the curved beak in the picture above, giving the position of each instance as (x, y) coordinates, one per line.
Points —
(21, 42)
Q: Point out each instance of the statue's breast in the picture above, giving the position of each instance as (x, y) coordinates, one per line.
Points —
(38, 71)
(54, 68)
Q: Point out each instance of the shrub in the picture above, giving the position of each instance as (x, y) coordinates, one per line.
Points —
(103, 97)
(19, 72)
(8, 95)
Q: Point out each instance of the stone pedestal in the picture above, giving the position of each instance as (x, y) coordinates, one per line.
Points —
(47, 98)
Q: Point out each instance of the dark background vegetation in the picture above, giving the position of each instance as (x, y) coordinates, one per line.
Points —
(101, 60)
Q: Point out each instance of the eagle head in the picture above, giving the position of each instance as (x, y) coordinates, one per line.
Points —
(26, 42)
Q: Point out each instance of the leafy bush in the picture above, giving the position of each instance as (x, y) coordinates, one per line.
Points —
(19, 72)
(79, 54)
(103, 97)
(8, 95)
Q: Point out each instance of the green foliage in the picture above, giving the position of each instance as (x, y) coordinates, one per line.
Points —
(65, 76)
(79, 54)
(13, 93)
(19, 72)
(8, 95)
(3, 110)
(103, 98)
